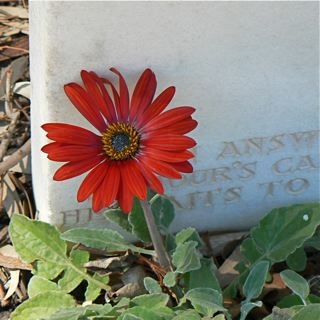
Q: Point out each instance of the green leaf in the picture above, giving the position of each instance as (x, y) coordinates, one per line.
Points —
(104, 239)
(255, 281)
(170, 243)
(141, 313)
(37, 240)
(296, 283)
(42, 306)
(187, 235)
(309, 312)
(81, 313)
(204, 277)
(152, 301)
(38, 285)
(282, 231)
(163, 211)
(47, 270)
(130, 316)
(67, 314)
(118, 217)
(72, 278)
(218, 317)
(187, 315)
(151, 285)
(170, 279)
(205, 300)
(186, 257)
(138, 222)
(250, 251)
(93, 291)
(247, 307)
(314, 241)
(294, 300)
(297, 260)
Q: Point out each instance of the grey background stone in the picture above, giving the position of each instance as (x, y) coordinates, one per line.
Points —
(250, 69)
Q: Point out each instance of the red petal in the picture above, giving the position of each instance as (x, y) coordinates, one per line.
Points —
(124, 97)
(92, 181)
(153, 182)
(162, 168)
(168, 156)
(125, 198)
(132, 177)
(157, 106)
(99, 95)
(143, 94)
(105, 195)
(169, 142)
(65, 153)
(185, 167)
(108, 110)
(182, 127)
(69, 134)
(170, 117)
(73, 169)
(80, 99)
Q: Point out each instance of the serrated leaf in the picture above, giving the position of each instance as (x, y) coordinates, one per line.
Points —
(297, 260)
(282, 231)
(296, 283)
(39, 284)
(170, 279)
(163, 211)
(93, 291)
(247, 307)
(254, 283)
(204, 277)
(205, 300)
(151, 285)
(72, 278)
(42, 306)
(309, 312)
(189, 234)
(33, 241)
(152, 301)
(118, 217)
(47, 270)
(104, 239)
(138, 222)
(187, 315)
(186, 257)
(37, 240)
(93, 311)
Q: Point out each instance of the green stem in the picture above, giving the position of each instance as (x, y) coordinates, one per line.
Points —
(156, 237)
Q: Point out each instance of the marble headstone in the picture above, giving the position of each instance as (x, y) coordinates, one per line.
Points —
(250, 69)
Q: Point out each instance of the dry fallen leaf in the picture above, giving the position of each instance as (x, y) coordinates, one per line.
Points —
(13, 283)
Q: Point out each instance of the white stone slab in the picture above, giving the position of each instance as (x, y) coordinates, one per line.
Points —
(250, 68)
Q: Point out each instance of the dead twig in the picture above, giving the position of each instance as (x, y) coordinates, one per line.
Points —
(8, 100)
(13, 48)
(17, 156)
(5, 141)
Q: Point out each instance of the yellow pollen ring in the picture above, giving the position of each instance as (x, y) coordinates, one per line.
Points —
(120, 141)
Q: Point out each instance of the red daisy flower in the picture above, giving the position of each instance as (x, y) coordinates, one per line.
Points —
(138, 141)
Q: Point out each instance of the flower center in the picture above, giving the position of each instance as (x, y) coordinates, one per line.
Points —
(120, 141)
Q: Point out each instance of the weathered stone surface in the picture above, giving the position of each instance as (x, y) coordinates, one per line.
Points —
(250, 68)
